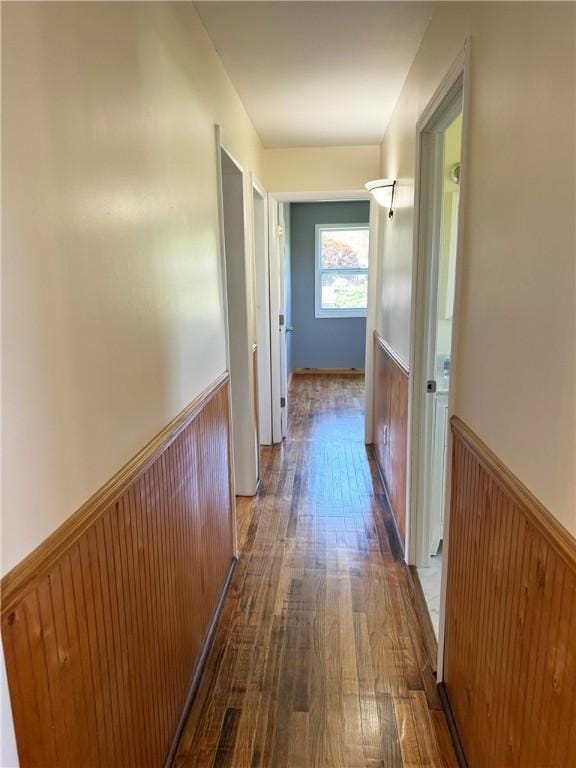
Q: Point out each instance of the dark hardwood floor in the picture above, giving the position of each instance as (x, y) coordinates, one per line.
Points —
(319, 659)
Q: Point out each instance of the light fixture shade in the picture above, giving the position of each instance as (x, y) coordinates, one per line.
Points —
(382, 190)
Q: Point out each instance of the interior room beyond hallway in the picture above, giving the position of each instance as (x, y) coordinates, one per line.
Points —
(321, 342)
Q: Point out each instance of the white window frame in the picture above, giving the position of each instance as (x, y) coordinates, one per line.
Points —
(318, 271)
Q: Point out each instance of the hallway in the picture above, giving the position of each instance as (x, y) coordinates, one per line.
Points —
(318, 659)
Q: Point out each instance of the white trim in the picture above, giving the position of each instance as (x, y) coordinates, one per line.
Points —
(464, 64)
(222, 263)
(282, 326)
(455, 72)
(321, 196)
(239, 343)
(257, 185)
(230, 154)
(274, 266)
(371, 320)
(319, 310)
(458, 72)
(262, 311)
(224, 299)
(427, 276)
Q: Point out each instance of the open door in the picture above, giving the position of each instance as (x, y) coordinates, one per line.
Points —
(239, 342)
(262, 299)
(279, 311)
(440, 160)
(285, 310)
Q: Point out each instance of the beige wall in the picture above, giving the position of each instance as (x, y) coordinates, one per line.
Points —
(320, 169)
(516, 365)
(112, 316)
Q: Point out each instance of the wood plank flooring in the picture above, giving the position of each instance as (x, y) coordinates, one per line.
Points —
(319, 660)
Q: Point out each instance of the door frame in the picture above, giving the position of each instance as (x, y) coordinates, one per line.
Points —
(277, 275)
(457, 78)
(427, 268)
(243, 480)
(262, 313)
(276, 331)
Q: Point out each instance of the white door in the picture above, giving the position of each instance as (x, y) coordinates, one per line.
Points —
(277, 245)
(262, 300)
(240, 360)
(441, 154)
(284, 256)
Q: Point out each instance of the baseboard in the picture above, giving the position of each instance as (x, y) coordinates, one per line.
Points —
(430, 641)
(329, 371)
(197, 677)
(460, 756)
(396, 543)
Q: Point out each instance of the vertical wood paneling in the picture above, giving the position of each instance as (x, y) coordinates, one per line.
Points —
(510, 648)
(391, 427)
(103, 625)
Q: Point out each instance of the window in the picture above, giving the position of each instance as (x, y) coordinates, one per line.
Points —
(341, 270)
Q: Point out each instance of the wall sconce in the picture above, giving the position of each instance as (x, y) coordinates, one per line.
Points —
(382, 190)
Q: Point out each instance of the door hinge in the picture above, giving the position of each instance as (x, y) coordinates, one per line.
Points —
(282, 402)
(430, 385)
(281, 319)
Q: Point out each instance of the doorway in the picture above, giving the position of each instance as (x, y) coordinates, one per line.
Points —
(440, 175)
(240, 352)
(311, 337)
(278, 211)
(262, 301)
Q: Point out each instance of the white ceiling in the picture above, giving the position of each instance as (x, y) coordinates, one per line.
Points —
(317, 73)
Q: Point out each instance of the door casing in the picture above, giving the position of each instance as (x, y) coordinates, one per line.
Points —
(262, 309)
(244, 455)
(277, 298)
(453, 86)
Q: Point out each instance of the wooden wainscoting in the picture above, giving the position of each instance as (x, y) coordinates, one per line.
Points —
(391, 427)
(104, 624)
(510, 638)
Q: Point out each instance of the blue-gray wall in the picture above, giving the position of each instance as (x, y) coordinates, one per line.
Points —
(324, 342)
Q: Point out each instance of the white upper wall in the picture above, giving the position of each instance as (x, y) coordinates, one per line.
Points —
(317, 73)
(516, 383)
(112, 306)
